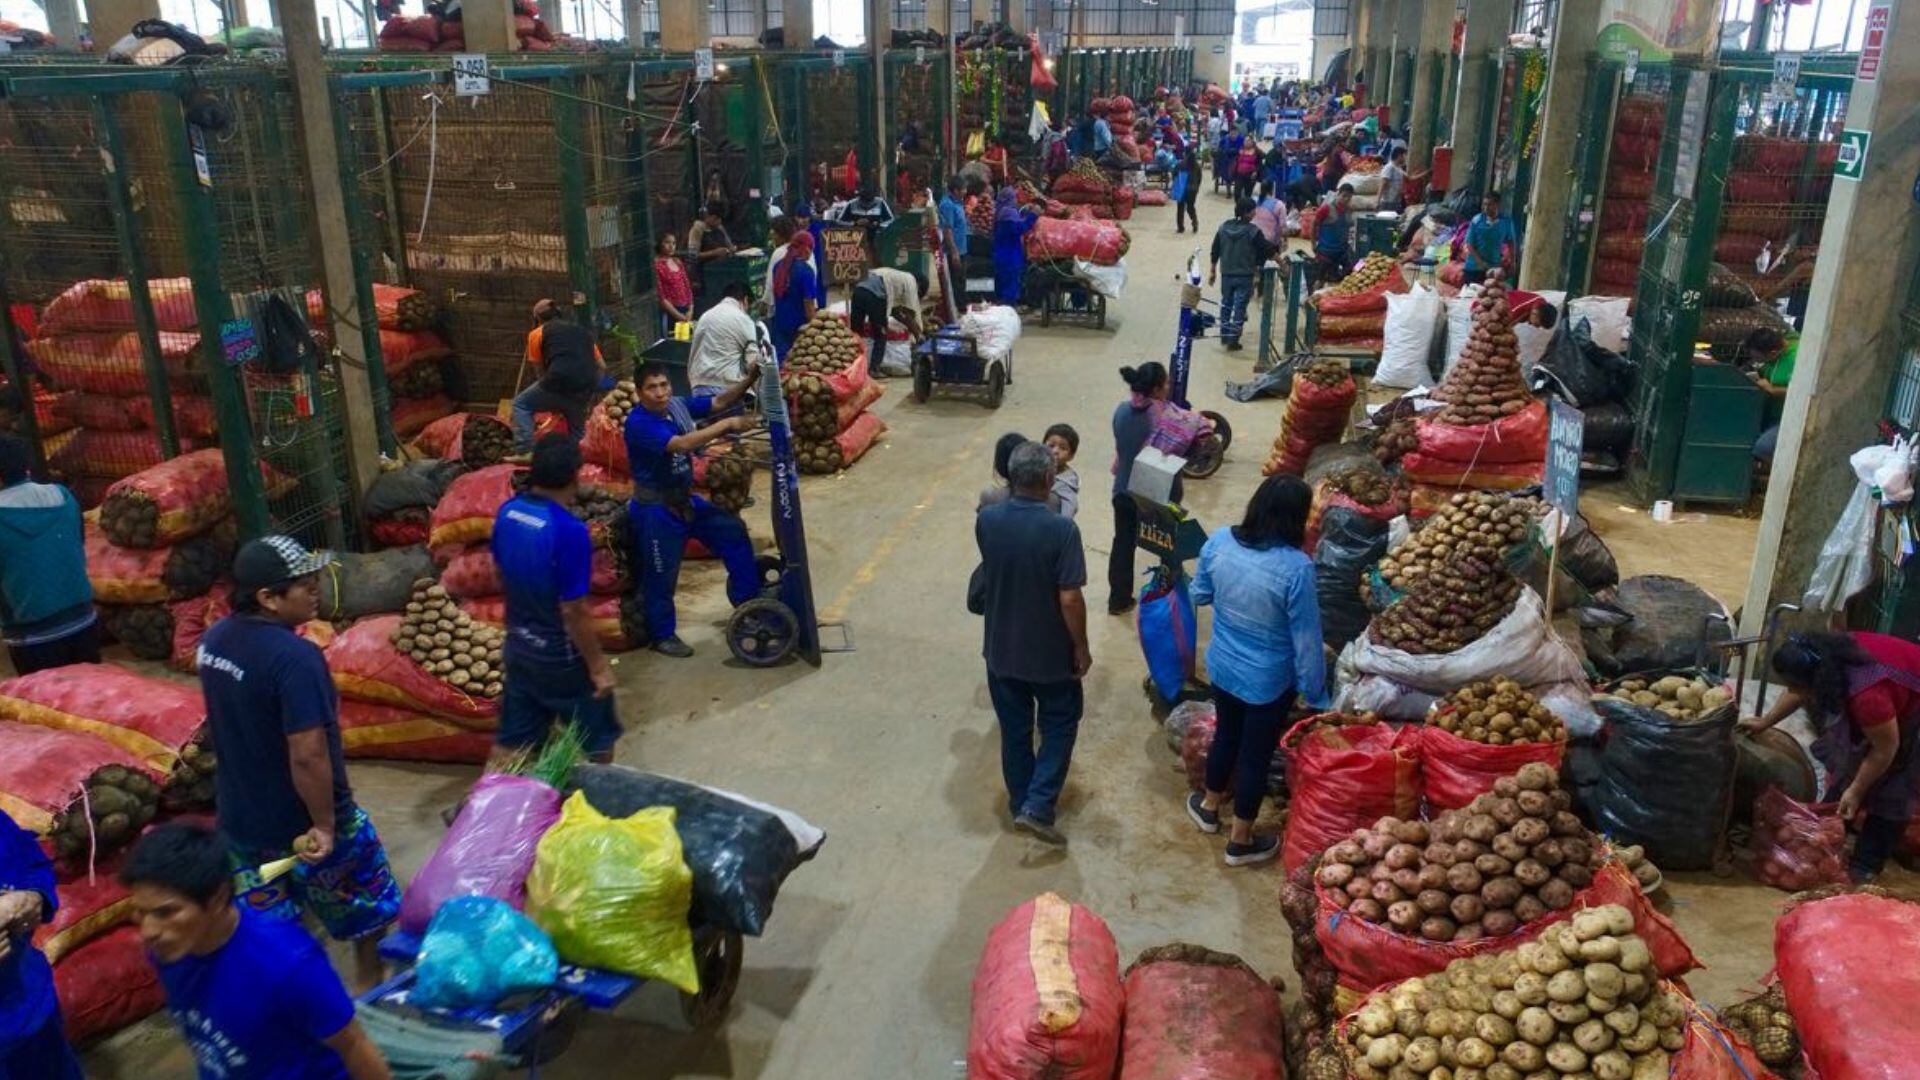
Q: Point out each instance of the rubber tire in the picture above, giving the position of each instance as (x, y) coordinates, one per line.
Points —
(1201, 466)
(718, 957)
(996, 386)
(922, 379)
(771, 569)
(762, 607)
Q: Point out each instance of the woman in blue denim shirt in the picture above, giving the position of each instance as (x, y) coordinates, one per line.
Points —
(1265, 654)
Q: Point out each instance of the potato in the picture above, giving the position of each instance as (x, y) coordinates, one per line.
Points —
(1566, 1057)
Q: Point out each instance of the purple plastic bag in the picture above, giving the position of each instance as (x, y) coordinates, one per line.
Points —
(487, 851)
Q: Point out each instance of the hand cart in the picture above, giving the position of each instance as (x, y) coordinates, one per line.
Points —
(537, 1027)
(1209, 450)
(947, 357)
(1063, 295)
(782, 619)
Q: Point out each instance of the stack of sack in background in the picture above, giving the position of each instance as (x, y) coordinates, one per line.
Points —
(1317, 410)
(1353, 311)
(412, 351)
(440, 30)
(1120, 118)
(1635, 152)
(1731, 312)
(85, 341)
(1086, 185)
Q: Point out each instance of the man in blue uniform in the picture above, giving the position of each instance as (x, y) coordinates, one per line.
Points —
(275, 719)
(32, 1046)
(555, 668)
(661, 438)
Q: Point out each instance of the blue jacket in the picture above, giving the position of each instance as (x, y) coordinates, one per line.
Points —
(26, 980)
(1266, 621)
(44, 592)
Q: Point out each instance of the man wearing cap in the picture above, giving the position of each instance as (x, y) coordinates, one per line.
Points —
(555, 669)
(570, 368)
(282, 786)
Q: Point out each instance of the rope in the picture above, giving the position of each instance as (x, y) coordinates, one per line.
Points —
(433, 156)
(93, 841)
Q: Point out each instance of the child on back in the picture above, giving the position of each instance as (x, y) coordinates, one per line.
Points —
(1064, 442)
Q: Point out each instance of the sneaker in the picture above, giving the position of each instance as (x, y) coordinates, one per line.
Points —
(1232, 346)
(673, 647)
(1122, 607)
(1040, 830)
(1207, 820)
(1260, 849)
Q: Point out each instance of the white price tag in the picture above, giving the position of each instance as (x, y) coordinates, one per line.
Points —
(470, 75)
(839, 58)
(703, 64)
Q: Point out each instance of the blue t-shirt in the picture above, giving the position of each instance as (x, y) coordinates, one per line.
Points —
(1485, 239)
(26, 981)
(790, 310)
(647, 437)
(260, 1006)
(545, 556)
(953, 218)
(1028, 553)
(1266, 621)
(262, 683)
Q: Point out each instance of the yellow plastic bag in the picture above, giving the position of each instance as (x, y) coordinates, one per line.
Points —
(613, 893)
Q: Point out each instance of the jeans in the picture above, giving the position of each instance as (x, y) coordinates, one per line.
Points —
(80, 647)
(1034, 781)
(1766, 444)
(1244, 738)
(1879, 838)
(1126, 536)
(538, 399)
(867, 315)
(1185, 211)
(1235, 291)
(659, 538)
(537, 695)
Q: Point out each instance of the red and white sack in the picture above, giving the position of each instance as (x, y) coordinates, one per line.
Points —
(1047, 1001)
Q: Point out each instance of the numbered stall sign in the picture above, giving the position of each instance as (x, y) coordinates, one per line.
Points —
(470, 75)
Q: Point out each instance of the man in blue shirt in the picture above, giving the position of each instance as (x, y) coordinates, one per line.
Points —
(46, 602)
(253, 995)
(953, 215)
(661, 439)
(1032, 570)
(32, 1044)
(1490, 240)
(1102, 134)
(275, 721)
(1332, 231)
(554, 666)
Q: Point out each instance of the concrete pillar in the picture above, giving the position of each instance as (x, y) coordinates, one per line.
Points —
(796, 23)
(1432, 42)
(1543, 249)
(1488, 22)
(683, 26)
(1850, 342)
(320, 152)
(879, 32)
(110, 20)
(487, 25)
(63, 22)
(940, 16)
(1405, 45)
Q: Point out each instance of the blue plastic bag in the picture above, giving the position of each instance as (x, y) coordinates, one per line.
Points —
(477, 951)
(1168, 635)
(1179, 191)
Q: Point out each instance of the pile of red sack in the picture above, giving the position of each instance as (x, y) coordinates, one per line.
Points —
(1317, 410)
(410, 350)
(1776, 187)
(431, 33)
(1635, 152)
(1085, 185)
(1099, 242)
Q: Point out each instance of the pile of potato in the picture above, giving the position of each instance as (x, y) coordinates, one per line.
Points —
(1585, 1001)
(448, 643)
(416, 311)
(1368, 487)
(418, 381)
(812, 409)
(825, 346)
(145, 629)
(1479, 525)
(484, 441)
(118, 804)
(191, 782)
(1450, 607)
(620, 401)
(1372, 270)
(730, 480)
(1682, 698)
(1499, 712)
(1482, 871)
(1485, 383)
(1634, 858)
(1765, 1024)
(1400, 438)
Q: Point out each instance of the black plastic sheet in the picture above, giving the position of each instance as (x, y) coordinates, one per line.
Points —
(1663, 782)
(1350, 543)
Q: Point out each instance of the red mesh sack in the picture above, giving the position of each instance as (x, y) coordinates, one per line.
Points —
(473, 573)
(1342, 327)
(603, 443)
(1763, 221)
(852, 408)
(1098, 242)
(100, 412)
(1626, 215)
(411, 416)
(101, 363)
(174, 500)
(1454, 770)
(109, 455)
(465, 513)
(124, 575)
(1039, 77)
(1634, 151)
(1521, 437)
(391, 733)
(602, 610)
(1047, 1002)
(367, 667)
(424, 29)
(1422, 469)
(100, 304)
(192, 414)
(1194, 746)
(1629, 185)
(1625, 246)
(1851, 1006)
(148, 717)
(859, 437)
(1360, 303)
(1344, 777)
(1368, 954)
(401, 349)
(1759, 188)
(1193, 1020)
(1797, 846)
(91, 905)
(106, 984)
(436, 438)
(43, 771)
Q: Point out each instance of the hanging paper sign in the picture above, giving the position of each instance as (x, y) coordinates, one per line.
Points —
(847, 259)
(1786, 73)
(470, 75)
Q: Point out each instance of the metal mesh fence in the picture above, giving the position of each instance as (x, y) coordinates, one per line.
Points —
(915, 92)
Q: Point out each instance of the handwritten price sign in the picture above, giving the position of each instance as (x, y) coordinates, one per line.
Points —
(1566, 430)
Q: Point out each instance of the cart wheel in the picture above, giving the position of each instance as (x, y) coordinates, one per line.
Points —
(771, 568)
(553, 1039)
(762, 632)
(1210, 450)
(996, 386)
(1100, 317)
(718, 959)
(1046, 307)
(922, 380)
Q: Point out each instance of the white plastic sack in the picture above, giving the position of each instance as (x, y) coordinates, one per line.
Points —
(898, 358)
(1412, 317)
(1459, 324)
(993, 327)
(1606, 317)
(1108, 281)
(1387, 698)
(1521, 647)
(1364, 184)
(1532, 345)
(1845, 565)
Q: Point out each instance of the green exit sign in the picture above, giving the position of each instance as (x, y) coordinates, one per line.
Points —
(1852, 162)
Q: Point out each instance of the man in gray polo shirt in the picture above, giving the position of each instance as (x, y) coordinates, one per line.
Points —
(1032, 567)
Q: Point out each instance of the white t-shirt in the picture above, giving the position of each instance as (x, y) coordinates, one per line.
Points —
(1392, 179)
(723, 339)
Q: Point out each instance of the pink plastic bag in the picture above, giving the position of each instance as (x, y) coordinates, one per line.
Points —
(1796, 845)
(487, 851)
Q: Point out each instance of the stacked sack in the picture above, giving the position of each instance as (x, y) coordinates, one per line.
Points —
(396, 699)
(1623, 214)
(474, 440)
(411, 351)
(157, 545)
(86, 343)
(829, 394)
(1323, 395)
(400, 501)
(1121, 117)
(1353, 311)
(1730, 312)
(1492, 433)
(1099, 242)
(1085, 185)
(1764, 196)
(436, 32)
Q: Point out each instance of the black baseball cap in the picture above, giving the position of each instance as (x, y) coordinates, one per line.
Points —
(274, 560)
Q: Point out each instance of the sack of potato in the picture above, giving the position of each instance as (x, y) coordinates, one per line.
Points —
(1687, 698)
(1586, 1000)
(465, 513)
(604, 443)
(729, 475)
(81, 792)
(1447, 609)
(174, 500)
(1664, 780)
(1480, 733)
(1364, 290)
(613, 622)
(145, 629)
(473, 574)
(392, 733)
(1316, 414)
(1367, 492)
(1481, 526)
(1344, 771)
(160, 721)
(1518, 437)
(370, 663)
(129, 575)
(193, 616)
(1486, 383)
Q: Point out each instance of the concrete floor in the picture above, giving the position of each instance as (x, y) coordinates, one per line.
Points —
(865, 968)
